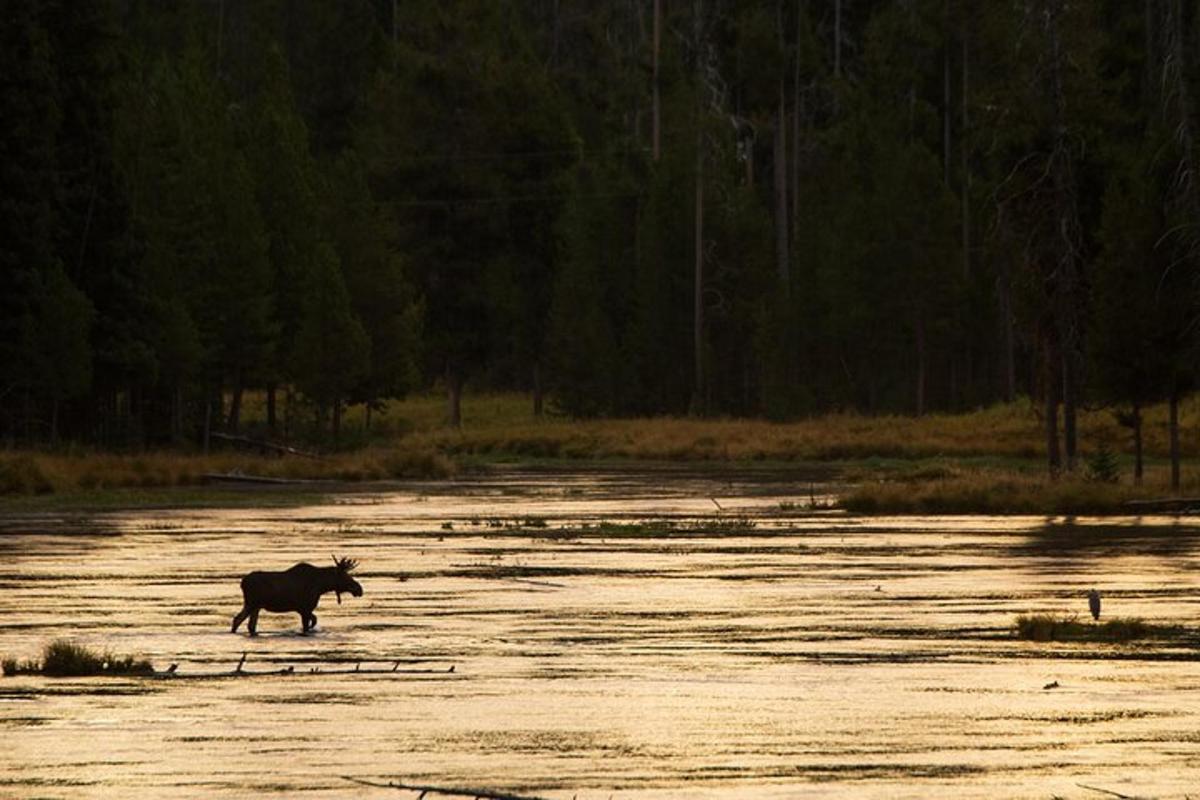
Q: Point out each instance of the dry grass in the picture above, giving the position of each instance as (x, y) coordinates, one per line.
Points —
(952, 489)
(41, 473)
(502, 425)
(989, 460)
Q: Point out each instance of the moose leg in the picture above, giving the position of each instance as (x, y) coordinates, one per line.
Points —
(254, 622)
(239, 618)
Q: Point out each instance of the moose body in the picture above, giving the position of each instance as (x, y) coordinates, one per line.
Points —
(298, 589)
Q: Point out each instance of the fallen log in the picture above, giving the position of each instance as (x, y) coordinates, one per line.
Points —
(1108, 792)
(1166, 504)
(240, 672)
(239, 477)
(445, 791)
(264, 445)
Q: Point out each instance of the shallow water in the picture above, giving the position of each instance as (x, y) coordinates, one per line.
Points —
(738, 645)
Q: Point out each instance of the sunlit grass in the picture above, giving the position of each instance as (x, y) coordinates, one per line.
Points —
(989, 460)
(32, 473)
(64, 658)
(948, 488)
(503, 424)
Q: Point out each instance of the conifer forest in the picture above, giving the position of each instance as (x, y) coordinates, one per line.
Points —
(753, 208)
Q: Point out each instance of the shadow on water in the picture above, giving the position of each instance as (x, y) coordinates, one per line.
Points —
(1067, 538)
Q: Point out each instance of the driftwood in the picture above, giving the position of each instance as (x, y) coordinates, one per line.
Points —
(264, 446)
(239, 671)
(1167, 504)
(1108, 792)
(238, 477)
(445, 791)
(275, 673)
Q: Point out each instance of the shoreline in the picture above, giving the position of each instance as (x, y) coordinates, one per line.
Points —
(865, 487)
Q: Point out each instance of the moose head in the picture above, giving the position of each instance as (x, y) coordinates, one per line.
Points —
(343, 582)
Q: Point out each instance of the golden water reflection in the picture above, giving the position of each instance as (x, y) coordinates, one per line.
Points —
(611, 634)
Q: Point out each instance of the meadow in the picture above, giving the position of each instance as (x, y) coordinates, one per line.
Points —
(988, 460)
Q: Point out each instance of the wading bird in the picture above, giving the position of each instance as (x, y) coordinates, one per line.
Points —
(298, 589)
(1094, 603)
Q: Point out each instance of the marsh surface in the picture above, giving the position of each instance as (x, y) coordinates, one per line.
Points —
(652, 634)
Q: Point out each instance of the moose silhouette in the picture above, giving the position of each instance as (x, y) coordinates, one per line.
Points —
(296, 589)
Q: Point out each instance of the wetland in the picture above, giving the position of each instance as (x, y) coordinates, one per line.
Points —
(645, 633)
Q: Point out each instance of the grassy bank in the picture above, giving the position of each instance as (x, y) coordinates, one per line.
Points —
(984, 461)
(946, 487)
(38, 473)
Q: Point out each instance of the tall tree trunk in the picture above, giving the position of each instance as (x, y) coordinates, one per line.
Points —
(1065, 274)
(1051, 383)
(796, 117)
(235, 405)
(964, 191)
(656, 130)
(1137, 444)
(698, 390)
(1010, 337)
(288, 405)
(208, 409)
(28, 420)
(539, 400)
(946, 104)
(781, 201)
(1176, 70)
(921, 363)
(454, 387)
(1070, 393)
(1173, 433)
(271, 409)
(964, 154)
(698, 280)
(220, 33)
(837, 38)
(177, 413)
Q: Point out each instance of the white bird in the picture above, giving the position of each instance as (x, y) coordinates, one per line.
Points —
(1094, 603)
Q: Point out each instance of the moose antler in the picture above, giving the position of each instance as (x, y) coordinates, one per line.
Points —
(345, 564)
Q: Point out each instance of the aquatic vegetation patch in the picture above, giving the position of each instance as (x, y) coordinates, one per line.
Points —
(1050, 628)
(651, 528)
(63, 658)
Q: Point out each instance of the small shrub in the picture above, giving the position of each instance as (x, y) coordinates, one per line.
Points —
(14, 667)
(417, 464)
(1102, 466)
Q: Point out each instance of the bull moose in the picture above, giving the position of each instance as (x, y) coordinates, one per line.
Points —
(297, 589)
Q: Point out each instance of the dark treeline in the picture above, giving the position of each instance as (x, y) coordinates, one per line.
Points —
(775, 208)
